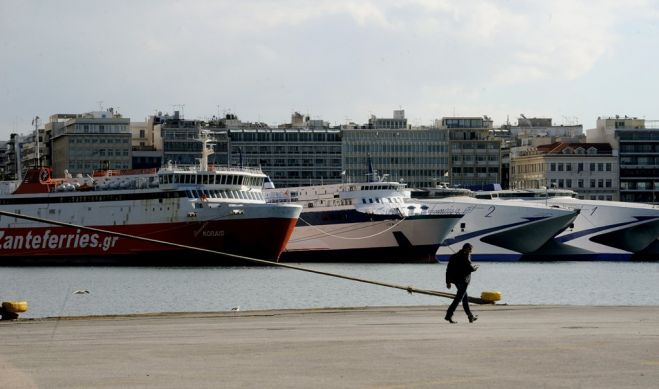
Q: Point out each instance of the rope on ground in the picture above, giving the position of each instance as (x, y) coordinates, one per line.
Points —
(408, 289)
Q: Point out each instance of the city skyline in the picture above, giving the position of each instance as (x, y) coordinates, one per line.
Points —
(338, 61)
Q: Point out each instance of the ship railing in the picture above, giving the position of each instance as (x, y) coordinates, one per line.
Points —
(276, 197)
(212, 168)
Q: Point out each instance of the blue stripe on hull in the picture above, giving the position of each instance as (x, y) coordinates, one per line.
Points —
(485, 257)
(609, 257)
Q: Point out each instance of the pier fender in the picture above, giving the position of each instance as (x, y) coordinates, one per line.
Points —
(15, 306)
(491, 296)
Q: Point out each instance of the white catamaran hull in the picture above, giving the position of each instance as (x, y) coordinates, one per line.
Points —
(499, 230)
(344, 234)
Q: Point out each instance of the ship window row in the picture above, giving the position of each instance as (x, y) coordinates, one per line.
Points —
(89, 197)
(379, 187)
(211, 179)
(223, 194)
(383, 200)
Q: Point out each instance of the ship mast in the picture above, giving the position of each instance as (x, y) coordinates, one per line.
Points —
(206, 150)
(35, 121)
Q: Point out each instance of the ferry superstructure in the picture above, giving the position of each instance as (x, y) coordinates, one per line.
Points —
(604, 230)
(497, 230)
(220, 209)
(363, 222)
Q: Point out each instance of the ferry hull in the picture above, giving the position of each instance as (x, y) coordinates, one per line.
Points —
(256, 238)
(321, 237)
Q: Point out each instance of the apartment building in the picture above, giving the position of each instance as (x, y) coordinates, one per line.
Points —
(81, 143)
(302, 152)
(474, 152)
(637, 144)
(417, 156)
(179, 140)
(590, 169)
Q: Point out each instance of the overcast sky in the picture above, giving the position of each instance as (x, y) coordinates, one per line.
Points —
(334, 60)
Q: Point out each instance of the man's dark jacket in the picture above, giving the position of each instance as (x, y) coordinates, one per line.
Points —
(459, 268)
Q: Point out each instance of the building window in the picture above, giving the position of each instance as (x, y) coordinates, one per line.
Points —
(592, 166)
(608, 182)
(580, 183)
(579, 167)
(552, 167)
(608, 167)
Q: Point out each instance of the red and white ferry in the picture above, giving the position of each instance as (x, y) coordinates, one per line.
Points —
(220, 209)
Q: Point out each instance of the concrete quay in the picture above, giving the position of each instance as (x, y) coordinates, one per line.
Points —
(375, 347)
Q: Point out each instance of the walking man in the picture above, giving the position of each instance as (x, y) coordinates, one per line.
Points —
(458, 272)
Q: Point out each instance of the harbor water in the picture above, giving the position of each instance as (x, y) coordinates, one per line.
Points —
(50, 291)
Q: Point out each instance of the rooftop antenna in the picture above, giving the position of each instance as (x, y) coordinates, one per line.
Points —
(181, 108)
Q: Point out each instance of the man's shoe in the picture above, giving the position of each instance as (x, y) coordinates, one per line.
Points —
(473, 318)
(450, 320)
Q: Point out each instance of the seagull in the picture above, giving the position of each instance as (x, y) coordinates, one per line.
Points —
(235, 309)
(81, 292)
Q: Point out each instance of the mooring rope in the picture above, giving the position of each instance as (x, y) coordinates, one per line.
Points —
(355, 238)
(409, 289)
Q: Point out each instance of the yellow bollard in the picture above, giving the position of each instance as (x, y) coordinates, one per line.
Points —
(11, 309)
(491, 296)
